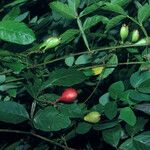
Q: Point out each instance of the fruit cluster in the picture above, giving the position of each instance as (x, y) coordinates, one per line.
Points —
(124, 32)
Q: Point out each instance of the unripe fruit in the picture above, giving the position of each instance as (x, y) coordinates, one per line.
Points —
(93, 117)
(97, 70)
(68, 96)
(135, 36)
(51, 43)
(124, 31)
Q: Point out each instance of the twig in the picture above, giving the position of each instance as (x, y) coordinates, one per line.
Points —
(101, 65)
(89, 97)
(83, 34)
(113, 48)
(35, 135)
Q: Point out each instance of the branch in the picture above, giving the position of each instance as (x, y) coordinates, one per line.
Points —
(35, 135)
(112, 48)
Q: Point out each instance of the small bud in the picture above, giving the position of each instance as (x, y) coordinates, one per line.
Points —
(135, 36)
(124, 31)
(92, 117)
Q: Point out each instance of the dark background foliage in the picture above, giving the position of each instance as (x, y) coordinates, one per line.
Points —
(111, 76)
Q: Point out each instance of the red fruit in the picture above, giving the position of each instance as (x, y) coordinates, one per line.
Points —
(69, 95)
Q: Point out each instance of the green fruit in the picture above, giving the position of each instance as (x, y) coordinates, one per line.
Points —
(92, 117)
(124, 31)
(135, 36)
(51, 43)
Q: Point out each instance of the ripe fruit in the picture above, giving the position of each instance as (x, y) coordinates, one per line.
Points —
(69, 95)
(124, 31)
(92, 117)
(135, 36)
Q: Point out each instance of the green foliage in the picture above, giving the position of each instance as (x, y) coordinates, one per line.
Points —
(48, 46)
(12, 112)
(15, 32)
(112, 136)
(110, 110)
(128, 116)
(50, 119)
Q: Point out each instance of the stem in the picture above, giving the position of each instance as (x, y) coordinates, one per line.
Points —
(65, 143)
(35, 135)
(87, 52)
(133, 20)
(89, 97)
(144, 30)
(140, 25)
(83, 34)
(112, 65)
(83, 68)
(113, 48)
(49, 102)
(33, 107)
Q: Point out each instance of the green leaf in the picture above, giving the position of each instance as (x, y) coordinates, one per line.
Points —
(140, 123)
(91, 8)
(12, 112)
(50, 119)
(71, 110)
(142, 141)
(98, 108)
(7, 86)
(63, 9)
(121, 2)
(12, 92)
(69, 35)
(64, 77)
(92, 21)
(83, 127)
(104, 99)
(125, 97)
(12, 14)
(15, 32)
(48, 97)
(115, 8)
(110, 110)
(69, 61)
(70, 135)
(139, 77)
(22, 16)
(13, 146)
(16, 2)
(139, 97)
(144, 108)
(112, 136)
(116, 89)
(74, 4)
(144, 87)
(143, 13)
(128, 116)
(127, 145)
(83, 59)
(114, 21)
(2, 78)
(107, 125)
(108, 71)
(15, 66)
(34, 88)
